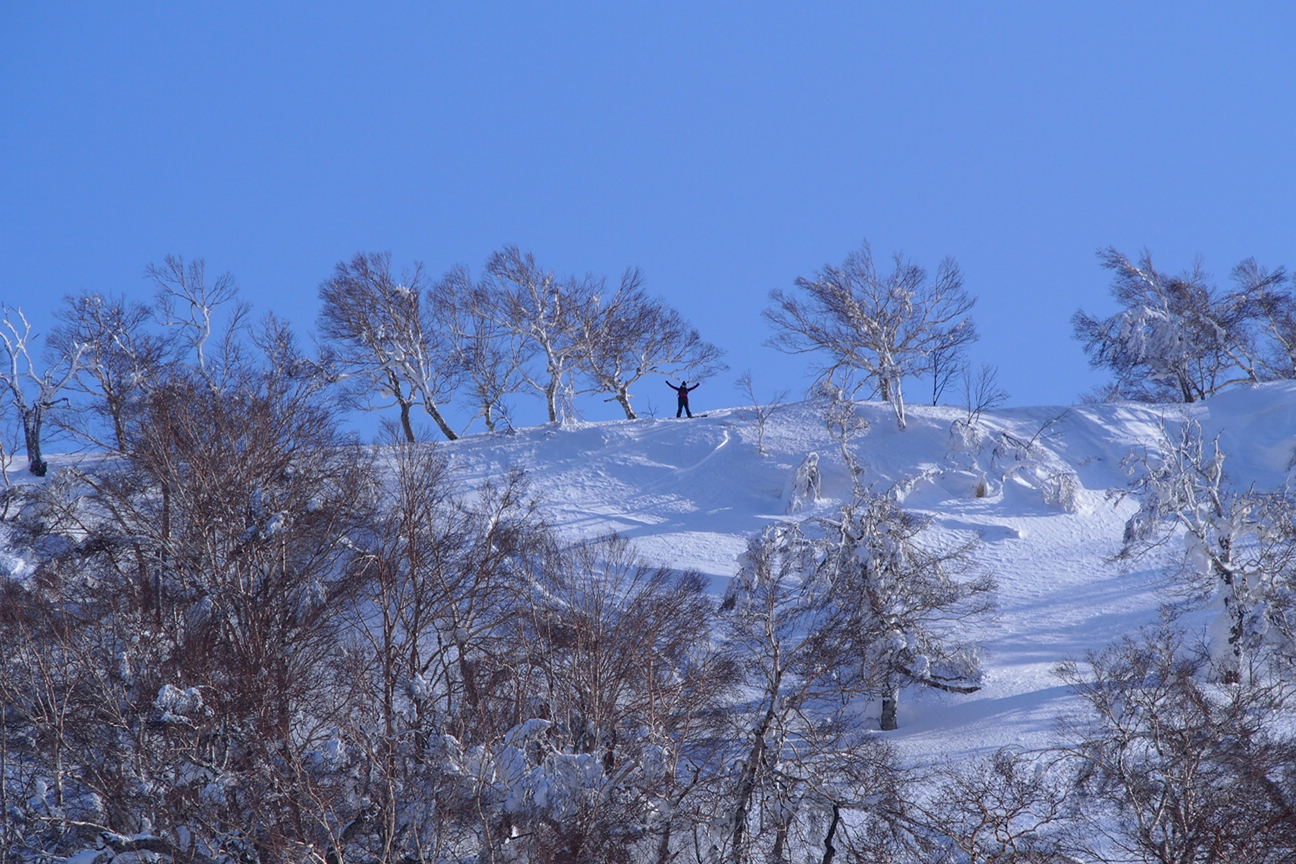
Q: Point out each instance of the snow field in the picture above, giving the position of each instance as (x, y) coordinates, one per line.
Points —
(688, 494)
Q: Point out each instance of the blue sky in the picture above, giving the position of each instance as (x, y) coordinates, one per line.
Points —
(724, 148)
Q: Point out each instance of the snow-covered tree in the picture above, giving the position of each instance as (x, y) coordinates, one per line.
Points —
(1178, 338)
(883, 327)
(1171, 768)
(493, 357)
(389, 336)
(820, 616)
(31, 390)
(546, 311)
(908, 599)
(1239, 545)
(799, 749)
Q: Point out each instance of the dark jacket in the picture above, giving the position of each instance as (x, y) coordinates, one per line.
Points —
(682, 390)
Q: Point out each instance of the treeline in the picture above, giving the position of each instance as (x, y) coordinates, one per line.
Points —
(402, 341)
(387, 340)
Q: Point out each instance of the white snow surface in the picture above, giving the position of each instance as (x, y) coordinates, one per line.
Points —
(688, 493)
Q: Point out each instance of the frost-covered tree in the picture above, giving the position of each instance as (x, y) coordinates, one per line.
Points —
(1275, 308)
(800, 753)
(821, 615)
(874, 329)
(493, 357)
(1239, 546)
(1178, 338)
(628, 335)
(909, 596)
(32, 390)
(546, 311)
(204, 321)
(389, 336)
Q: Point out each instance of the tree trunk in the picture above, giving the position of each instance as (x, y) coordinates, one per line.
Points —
(829, 849)
(551, 398)
(623, 398)
(663, 845)
(890, 704)
(1228, 588)
(898, 403)
(32, 438)
(435, 414)
(751, 770)
(406, 426)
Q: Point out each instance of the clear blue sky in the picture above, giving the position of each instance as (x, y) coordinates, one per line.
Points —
(723, 147)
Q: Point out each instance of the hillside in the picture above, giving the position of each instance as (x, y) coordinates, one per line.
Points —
(206, 640)
(689, 493)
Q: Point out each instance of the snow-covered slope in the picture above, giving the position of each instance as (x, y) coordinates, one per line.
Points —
(688, 493)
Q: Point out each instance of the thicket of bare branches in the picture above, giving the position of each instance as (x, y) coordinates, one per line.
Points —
(1172, 768)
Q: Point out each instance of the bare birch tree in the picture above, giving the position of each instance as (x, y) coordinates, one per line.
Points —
(544, 309)
(33, 391)
(885, 327)
(122, 358)
(207, 320)
(629, 335)
(493, 356)
(388, 332)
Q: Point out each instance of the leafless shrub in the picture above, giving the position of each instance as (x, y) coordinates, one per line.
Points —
(764, 410)
(1011, 807)
(1175, 769)
(981, 391)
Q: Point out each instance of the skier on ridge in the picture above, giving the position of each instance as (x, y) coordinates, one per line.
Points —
(682, 392)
